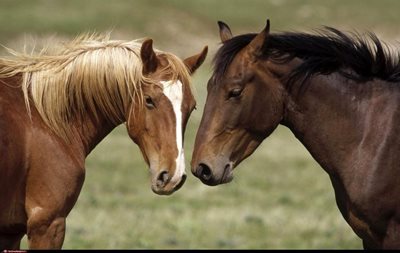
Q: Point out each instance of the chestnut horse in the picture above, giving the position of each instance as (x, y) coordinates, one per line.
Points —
(56, 107)
(339, 93)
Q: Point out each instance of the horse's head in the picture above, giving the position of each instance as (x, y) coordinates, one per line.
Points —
(244, 105)
(157, 122)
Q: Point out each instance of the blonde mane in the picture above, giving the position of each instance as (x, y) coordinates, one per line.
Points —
(91, 74)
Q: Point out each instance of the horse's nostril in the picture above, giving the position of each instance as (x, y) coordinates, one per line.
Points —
(204, 171)
(162, 179)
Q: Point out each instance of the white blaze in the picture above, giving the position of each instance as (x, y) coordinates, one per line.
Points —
(174, 92)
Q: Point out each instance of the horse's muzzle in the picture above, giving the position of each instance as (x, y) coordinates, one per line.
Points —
(163, 184)
(206, 175)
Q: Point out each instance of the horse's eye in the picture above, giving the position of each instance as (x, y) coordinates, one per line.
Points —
(149, 102)
(235, 92)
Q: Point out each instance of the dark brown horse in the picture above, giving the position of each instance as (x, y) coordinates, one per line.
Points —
(339, 93)
(55, 108)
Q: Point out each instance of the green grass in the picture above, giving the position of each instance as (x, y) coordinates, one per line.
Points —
(280, 197)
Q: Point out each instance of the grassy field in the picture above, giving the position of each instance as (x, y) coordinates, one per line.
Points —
(280, 197)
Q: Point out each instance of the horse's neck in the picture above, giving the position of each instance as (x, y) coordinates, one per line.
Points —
(89, 132)
(334, 117)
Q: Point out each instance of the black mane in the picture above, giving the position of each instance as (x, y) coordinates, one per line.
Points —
(327, 51)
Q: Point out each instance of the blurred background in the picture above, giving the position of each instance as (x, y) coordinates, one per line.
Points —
(280, 197)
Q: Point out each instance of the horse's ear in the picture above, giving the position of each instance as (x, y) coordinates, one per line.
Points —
(255, 46)
(224, 31)
(148, 56)
(194, 62)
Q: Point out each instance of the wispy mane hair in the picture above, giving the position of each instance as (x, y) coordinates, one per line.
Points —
(356, 56)
(90, 74)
